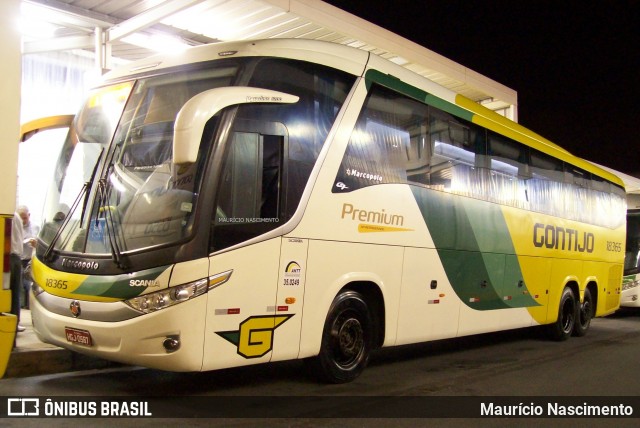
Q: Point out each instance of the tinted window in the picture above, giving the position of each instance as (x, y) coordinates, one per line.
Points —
(272, 149)
(388, 145)
(632, 254)
(322, 92)
(400, 140)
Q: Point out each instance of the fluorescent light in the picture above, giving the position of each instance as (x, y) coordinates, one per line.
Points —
(159, 42)
(33, 22)
(36, 30)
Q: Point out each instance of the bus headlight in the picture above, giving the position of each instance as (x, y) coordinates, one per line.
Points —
(181, 293)
(171, 296)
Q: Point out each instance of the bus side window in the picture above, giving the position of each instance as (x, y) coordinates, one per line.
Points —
(508, 156)
(632, 247)
(458, 148)
(510, 170)
(546, 188)
(388, 144)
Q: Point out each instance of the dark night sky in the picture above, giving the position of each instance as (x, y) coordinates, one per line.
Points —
(574, 63)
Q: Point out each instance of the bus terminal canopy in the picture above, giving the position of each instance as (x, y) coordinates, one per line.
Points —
(117, 32)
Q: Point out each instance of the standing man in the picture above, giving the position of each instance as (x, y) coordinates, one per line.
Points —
(17, 238)
(28, 244)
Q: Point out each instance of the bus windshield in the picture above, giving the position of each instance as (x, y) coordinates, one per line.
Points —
(632, 247)
(120, 147)
(119, 187)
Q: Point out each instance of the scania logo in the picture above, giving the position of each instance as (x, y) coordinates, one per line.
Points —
(74, 307)
(80, 264)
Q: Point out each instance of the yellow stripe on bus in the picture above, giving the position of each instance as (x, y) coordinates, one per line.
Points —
(62, 284)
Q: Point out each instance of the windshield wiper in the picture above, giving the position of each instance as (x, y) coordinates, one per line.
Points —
(88, 184)
(76, 202)
(83, 192)
(104, 192)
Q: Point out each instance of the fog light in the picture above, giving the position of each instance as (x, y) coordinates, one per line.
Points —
(171, 344)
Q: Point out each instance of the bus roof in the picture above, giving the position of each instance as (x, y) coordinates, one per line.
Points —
(341, 57)
(353, 61)
(518, 132)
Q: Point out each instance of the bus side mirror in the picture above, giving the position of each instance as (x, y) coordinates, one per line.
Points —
(196, 112)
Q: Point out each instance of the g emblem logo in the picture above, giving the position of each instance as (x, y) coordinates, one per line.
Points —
(254, 339)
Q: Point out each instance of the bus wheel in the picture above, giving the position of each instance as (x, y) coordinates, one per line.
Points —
(585, 313)
(346, 340)
(567, 314)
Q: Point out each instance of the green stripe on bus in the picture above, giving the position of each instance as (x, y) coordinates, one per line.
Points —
(118, 286)
(475, 248)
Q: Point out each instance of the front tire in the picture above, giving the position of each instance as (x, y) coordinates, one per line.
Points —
(567, 314)
(585, 314)
(346, 340)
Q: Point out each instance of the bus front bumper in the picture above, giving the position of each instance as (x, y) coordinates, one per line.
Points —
(170, 339)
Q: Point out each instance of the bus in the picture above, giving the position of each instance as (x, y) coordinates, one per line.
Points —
(9, 128)
(631, 281)
(252, 202)
(630, 297)
(8, 321)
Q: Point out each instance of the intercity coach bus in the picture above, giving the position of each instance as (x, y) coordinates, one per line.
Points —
(270, 200)
(8, 321)
(630, 296)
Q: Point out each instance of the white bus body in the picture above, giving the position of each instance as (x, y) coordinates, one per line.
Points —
(280, 199)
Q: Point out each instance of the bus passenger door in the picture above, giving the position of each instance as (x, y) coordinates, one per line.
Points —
(290, 298)
(243, 317)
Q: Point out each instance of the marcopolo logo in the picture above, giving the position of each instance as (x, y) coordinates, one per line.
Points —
(80, 264)
(263, 99)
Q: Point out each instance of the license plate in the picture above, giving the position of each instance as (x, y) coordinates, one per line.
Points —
(81, 337)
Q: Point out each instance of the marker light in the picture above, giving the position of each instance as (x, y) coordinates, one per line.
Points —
(219, 279)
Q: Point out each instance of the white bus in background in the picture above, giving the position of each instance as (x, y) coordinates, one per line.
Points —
(631, 281)
(261, 201)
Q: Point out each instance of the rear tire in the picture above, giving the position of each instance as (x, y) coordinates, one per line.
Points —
(585, 314)
(346, 340)
(567, 315)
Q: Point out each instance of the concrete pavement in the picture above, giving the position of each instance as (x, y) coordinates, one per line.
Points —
(31, 357)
